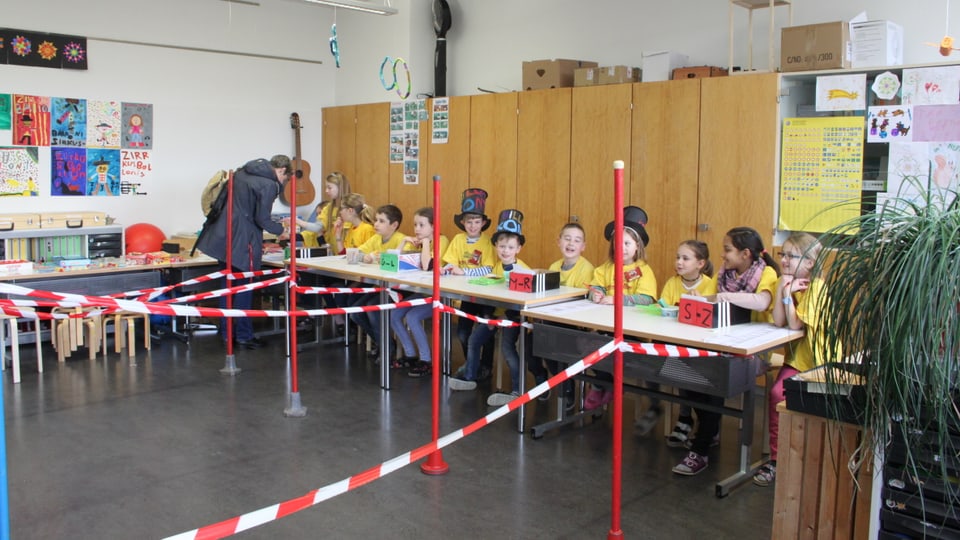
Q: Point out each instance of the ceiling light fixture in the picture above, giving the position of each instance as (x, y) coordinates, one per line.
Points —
(358, 5)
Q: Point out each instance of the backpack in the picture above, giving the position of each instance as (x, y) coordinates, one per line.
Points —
(213, 201)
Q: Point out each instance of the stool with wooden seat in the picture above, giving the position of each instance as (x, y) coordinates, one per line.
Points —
(128, 340)
(69, 334)
(15, 344)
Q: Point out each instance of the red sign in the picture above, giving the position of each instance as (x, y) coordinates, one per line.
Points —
(697, 312)
(522, 282)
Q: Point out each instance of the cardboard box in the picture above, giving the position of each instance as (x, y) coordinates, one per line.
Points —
(543, 74)
(698, 72)
(19, 222)
(15, 268)
(658, 66)
(618, 75)
(815, 46)
(533, 281)
(72, 220)
(400, 262)
(698, 311)
(876, 44)
(585, 76)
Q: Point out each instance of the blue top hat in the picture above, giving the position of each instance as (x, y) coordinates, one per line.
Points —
(510, 221)
(474, 201)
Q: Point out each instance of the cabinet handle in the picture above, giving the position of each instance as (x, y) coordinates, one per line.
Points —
(703, 227)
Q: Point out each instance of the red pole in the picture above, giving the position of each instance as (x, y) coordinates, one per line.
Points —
(615, 483)
(229, 252)
(434, 463)
(292, 321)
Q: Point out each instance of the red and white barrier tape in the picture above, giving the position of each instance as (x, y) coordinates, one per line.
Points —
(225, 292)
(335, 290)
(505, 323)
(153, 292)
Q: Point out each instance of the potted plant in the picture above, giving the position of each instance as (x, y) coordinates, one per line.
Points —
(892, 305)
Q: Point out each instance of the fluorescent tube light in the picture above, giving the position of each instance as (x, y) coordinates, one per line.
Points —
(358, 5)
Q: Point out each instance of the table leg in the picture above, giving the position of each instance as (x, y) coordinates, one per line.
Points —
(384, 340)
(523, 375)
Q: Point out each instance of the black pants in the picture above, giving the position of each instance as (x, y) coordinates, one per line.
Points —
(708, 422)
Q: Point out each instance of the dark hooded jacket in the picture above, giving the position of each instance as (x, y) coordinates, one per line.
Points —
(255, 188)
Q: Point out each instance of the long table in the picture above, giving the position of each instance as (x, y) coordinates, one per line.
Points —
(569, 332)
(452, 288)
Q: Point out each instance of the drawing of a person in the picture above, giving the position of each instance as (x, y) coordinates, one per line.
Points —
(136, 131)
(103, 127)
(103, 178)
(29, 130)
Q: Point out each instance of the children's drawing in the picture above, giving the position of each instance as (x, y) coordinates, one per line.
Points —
(889, 123)
(4, 109)
(69, 122)
(920, 166)
(886, 85)
(103, 172)
(31, 120)
(68, 171)
(842, 92)
(103, 124)
(19, 171)
(936, 123)
(137, 119)
(931, 86)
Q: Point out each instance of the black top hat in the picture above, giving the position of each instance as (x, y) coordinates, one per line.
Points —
(510, 221)
(101, 162)
(474, 201)
(634, 218)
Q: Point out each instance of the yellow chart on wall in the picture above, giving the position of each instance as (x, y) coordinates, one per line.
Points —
(821, 172)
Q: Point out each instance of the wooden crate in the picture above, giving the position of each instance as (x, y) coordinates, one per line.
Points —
(816, 496)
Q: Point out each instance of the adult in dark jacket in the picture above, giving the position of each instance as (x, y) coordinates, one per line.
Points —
(256, 186)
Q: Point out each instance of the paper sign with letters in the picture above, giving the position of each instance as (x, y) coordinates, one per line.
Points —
(698, 311)
(532, 281)
(399, 262)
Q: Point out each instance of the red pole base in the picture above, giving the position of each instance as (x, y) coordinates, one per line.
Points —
(612, 535)
(434, 465)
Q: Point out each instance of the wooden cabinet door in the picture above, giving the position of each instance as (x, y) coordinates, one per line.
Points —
(372, 147)
(739, 134)
(450, 161)
(493, 150)
(543, 171)
(600, 134)
(339, 143)
(665, 166)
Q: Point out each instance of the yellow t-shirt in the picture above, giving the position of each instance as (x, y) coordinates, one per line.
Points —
(357, 236)
(674, 288)
(768, 283)
(376, 243)
(800, 352)
(638, 278)
(579, 276)
(443, 246)
(463, 255)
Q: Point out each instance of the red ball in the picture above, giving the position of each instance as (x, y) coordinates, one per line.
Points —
(143, 238)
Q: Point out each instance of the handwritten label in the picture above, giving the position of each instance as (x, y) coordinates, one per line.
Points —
(697, 312)
(521, 282)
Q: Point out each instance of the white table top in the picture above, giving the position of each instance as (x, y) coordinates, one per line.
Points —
(742, 339)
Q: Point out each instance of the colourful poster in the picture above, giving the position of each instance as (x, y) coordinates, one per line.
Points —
(821, 172)
(889, 123)
(917, 167)
(135, 167)
(4, 111)
(103, 124)
(69, 121)
(103, 172)
(931, 86)
(842, 92)
(19, 171)
(31, 120)
(137, 121)
(68, 171)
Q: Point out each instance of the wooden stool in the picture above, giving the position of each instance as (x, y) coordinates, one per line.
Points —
(127, 317)
(15, 344)
(67, 335)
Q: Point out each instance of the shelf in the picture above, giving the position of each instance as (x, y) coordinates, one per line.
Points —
(751, 5)
(760, 4)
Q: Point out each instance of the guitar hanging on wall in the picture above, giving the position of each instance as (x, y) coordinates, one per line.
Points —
(305, 190)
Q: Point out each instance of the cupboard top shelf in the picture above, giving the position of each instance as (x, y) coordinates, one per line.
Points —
(759, 4)
(77, 231)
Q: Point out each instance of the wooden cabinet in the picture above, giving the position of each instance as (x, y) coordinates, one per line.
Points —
(600, 134)
(493, 150)
(451, 162)
(372, 154)
(739, 140)
(665, 166)
(339, 143)
(543, 172)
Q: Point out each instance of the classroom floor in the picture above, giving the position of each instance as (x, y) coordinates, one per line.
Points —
(106, 449)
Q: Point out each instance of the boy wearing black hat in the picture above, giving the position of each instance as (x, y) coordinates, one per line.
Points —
(508, 240)
(471, 253)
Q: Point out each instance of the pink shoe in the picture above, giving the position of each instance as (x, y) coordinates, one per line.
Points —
(596, 398)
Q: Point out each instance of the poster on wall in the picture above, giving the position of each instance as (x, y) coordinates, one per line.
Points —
(842, 92)
(135, 167)
(931, 86)
(137, 121)
(889, 123)
(936, 123)
(31, 120)
(68, 171)
(103, 172)
(440, 126)
(916, 167)
(821, 172)
(69, 122)
(103, 124)
(19, 171)
(396, 132)
(4, 111)
(412, 111)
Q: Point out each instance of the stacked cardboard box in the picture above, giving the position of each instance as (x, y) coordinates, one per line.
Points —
(814, 46)
(544, 74)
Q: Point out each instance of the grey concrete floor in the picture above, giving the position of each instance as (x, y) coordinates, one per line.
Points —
(109, 449)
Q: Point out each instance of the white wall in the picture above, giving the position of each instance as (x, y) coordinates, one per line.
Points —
(214, 111)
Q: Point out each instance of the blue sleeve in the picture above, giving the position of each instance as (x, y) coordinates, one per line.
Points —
(477, 272)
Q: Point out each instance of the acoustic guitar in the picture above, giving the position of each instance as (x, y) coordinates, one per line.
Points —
(305, 190)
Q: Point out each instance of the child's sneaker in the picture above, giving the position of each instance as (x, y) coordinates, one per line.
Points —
(680, 435)
(461, 384)
(765, 475)
(546, 395)
(596, 398)
(499, 399)
(647, 422)
(404, 362)
(421, 369)
(693, 464)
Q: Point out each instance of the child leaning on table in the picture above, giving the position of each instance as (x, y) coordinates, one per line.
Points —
(694, 276)
(387, 221)
(639, 283)
(748, 279)
(796, 306)
(407, 323)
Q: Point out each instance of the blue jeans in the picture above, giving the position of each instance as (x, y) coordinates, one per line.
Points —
(369, 322)
(242, 326)
(508, 347)
(412, 335)
(465, 328)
